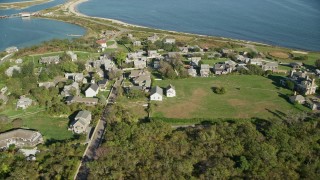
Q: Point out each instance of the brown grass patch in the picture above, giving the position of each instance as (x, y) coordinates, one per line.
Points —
(237, 102)
(185, 109)
(279, 54)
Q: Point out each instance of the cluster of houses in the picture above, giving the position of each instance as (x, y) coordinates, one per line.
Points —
(156, 93)
(139, 80)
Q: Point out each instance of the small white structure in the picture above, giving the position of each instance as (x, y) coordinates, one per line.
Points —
(153, 38)
(92, 91)
(156, 94)
(136, 43)
(171, 91)
(102, 43)
(81, 122)
(169, 41)
(24, 102)
(72, 55)
(9, 71)
(19, 61)
(12, 49)
(192, 72)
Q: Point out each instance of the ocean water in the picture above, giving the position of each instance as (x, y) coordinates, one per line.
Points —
(288, 23)
(25, 32)
(29, 9)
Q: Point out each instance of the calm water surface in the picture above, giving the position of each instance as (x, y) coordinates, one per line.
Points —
(25, 32)
(289, 23)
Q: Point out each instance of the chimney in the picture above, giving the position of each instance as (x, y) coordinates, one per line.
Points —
(295, 93)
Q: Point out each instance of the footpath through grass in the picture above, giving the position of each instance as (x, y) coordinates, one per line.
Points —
(246, 97)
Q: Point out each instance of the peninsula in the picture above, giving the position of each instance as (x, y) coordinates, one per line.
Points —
(22, 4)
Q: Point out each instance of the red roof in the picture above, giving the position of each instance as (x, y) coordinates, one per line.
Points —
(101, 41)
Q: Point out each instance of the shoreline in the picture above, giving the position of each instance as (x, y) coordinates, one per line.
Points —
(72, 7)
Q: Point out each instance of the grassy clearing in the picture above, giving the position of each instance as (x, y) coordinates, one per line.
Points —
(135, 106)
(246, 97)
(35, 118)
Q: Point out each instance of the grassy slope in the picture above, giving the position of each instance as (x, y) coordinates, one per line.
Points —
(247, 96)
(35, 118)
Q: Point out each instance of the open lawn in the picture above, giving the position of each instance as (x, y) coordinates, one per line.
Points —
(35, 118)
(246, 97)
(135, 106)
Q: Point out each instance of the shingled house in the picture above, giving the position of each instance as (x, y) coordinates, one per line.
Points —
(81, 122)
(49, 60)
(20, 138)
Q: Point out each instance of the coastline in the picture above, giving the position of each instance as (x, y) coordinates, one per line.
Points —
(72, 7)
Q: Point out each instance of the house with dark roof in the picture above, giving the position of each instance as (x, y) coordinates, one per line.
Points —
(171, 91)
(77, 99)
(92, 91)
(156, 94)
(49, 60)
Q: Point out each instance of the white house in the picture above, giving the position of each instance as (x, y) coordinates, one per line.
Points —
(156, 94)
(169, 41)
(24, 102)
(102, 43)
(171, 91)
(92, 91)
(81, 122)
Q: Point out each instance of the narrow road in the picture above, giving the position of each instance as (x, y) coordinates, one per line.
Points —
(98, 135)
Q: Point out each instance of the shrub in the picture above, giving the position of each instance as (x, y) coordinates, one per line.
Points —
(219, 90)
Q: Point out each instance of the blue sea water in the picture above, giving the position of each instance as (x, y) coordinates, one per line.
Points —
(26, 32)
(29, 9)
(289, 23)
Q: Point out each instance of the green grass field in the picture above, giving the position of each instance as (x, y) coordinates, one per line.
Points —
(246, 97)
(35, 118)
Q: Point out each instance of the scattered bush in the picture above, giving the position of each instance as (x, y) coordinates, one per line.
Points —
(219, 90)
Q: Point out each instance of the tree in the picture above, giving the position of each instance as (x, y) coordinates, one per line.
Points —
(69, 66)
(219, 90)
(290, 84)
(120, 57)
(317, 63)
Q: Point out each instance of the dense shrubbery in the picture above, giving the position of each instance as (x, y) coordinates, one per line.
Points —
(57, 160)
(256, 149)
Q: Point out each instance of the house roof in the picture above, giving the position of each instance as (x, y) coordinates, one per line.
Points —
(102, 82)
(157, 90)
(30, 135)
(297, 98)
(171, 87)
(205, 66)
(94, 87)
(83, 114)
(101, 41)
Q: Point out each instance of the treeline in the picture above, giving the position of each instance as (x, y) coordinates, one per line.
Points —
(234, 149)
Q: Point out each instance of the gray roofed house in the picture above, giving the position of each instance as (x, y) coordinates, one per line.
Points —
(136, 73)
(81, 122)
(205, 70)
(20, 138)
(77, 77)
(78, 99)
(272, 66)
(103, 84)
(47, 85)
(219, 68)
(92, 91)
(139, 64)
(24, 102)
(171, 91)
(153, 38)
(256, 61)
(67, 90)
(49, 60)
(297, 98)
(156, 94)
